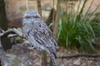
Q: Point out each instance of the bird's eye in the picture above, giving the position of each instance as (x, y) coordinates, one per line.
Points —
(27, 17)
(36, 17)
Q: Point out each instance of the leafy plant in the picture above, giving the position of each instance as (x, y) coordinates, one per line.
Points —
(75, 30)
(96, 25)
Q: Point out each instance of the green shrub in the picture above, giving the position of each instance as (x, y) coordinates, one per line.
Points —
(75, 30)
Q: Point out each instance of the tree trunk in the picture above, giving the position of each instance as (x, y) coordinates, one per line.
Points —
(39, 7)
(3, 24)
(56, 20)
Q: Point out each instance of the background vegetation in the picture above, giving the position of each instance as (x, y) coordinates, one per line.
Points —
(79, 29)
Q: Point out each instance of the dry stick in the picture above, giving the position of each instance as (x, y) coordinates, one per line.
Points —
(44, 55)
(20, 34)
(27, 5)
(79, 55)
(44, 58)
(39, 7)
(56, 21)
(53, 19)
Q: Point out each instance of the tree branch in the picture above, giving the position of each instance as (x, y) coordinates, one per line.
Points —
(3, 57)
(4, 33)
(56, 20)
(79, 55)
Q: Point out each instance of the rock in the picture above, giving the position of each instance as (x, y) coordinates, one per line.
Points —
(21, 64)
(77, 62)
(84, 64)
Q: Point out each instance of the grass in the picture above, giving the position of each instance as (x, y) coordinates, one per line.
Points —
(75, 30)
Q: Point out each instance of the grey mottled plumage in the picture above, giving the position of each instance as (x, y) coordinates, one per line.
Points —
(38, 34)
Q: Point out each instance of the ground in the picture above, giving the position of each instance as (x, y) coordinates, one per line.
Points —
(29, 57)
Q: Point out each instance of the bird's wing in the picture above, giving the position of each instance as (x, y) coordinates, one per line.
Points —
(43, 36)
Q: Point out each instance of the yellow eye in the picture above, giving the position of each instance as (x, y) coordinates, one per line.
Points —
(36, 17)
(27, 17)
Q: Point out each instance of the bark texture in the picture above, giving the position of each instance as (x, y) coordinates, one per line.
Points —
(3, 24)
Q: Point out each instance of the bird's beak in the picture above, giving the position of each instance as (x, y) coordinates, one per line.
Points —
(32, 20)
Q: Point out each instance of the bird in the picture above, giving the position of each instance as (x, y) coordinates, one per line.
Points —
(38, 34)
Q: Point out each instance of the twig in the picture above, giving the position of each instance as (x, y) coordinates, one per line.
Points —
(79, 55)
(39, 7)
(12, 35)
(27, 5)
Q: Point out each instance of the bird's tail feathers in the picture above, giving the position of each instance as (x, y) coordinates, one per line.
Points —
(53, 59)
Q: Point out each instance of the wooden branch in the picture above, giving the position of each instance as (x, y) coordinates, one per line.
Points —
(12, 35)
(3, 58)
(20, 34)
(79, 55)
(44, 58)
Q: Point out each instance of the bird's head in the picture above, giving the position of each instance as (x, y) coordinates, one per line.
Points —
(32, 17)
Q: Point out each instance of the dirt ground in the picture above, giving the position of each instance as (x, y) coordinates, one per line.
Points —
(29, 57)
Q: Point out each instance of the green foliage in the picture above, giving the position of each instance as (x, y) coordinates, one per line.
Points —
(18, 40)
(75, 30)
(96, 24)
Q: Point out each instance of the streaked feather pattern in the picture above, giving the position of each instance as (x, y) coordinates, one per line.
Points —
(38, 34)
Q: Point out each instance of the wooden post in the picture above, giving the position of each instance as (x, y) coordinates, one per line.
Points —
(44, 58)
(44, 55)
